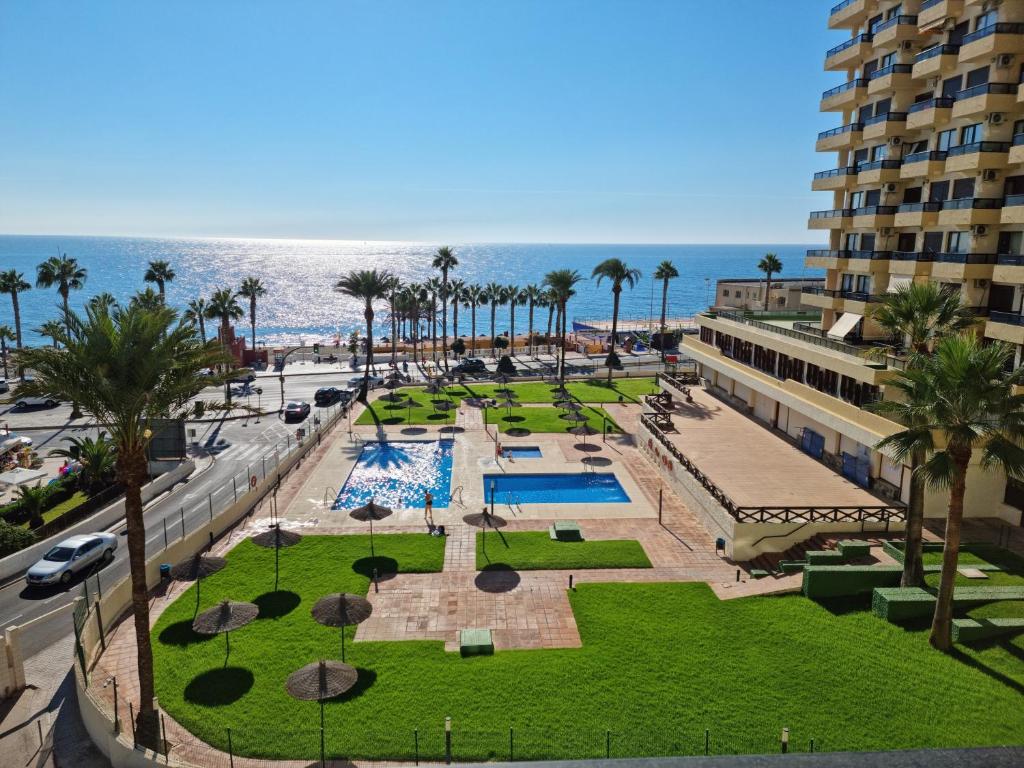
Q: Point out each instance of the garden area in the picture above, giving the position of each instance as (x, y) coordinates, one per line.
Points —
(536, 550)
(664, 669)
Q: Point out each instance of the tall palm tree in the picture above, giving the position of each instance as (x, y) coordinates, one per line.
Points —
(6, 335)
(223, 306)
(147, 298)
(534, 297)
(51, 328)
(618, 273)
(161, 273)
(13, 282)
(434, 288)
(455, 289)
(128, 369)
(67, 275)
(552, 305)
(562, 284)
(105, 301)
(472, 297)
(369, 285)
(513, 295)
(918, 315)
(495, 296)
(956, 401)
(665, 271)
(394, 294)
(196, 313)
(252, 289)
(770, 265)
(445, 261)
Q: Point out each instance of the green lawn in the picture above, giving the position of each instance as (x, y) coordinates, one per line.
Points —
(548, 419)
(65, 506)
(422, 411)
(975, 554)
(659, 664)
(535, 550)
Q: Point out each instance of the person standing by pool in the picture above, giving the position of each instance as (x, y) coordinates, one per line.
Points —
(428, 507)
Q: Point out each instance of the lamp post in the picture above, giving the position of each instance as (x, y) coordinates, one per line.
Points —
(492, 496)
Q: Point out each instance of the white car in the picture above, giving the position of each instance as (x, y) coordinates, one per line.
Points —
(28, 401)
(4, 386)
(71, 556)
(357, 381)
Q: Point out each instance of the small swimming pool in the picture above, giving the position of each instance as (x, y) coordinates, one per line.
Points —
(579, 488)
(398, 474)
(522, 451)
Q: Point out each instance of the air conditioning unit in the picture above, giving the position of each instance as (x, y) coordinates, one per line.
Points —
(979, 229)
(980, 283)
(885, 232)
(933, 82)
(907, 45)
(895, 141)
(1003, 60)
(890, 187)
(996, 118)
(989, 175)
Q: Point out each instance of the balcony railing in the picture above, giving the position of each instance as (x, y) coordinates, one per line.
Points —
(870, 255)
(981, 90)
(840, 130)
(965, 258)
(1018, 139)
(892, 69)
(979, 146)
(833, 214)
(929, 3)
(969, 203)
(837, 8)
(886, 117)
(918, 207)
(825, 253)
(848, 170)
(912, 256)
(1009, 318)
(865, 37)
(920, 157)
(863, 296)
(945, 49)
(875, 165)
(1010, 259)
(1013, 200)
(875, 210)
(939, 102)
(894, 21)
(860, 82)
(999, 28)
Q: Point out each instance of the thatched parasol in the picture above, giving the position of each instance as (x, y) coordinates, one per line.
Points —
(321, 680)
(435, 388)
(561, 393)
(570, 405)
(483, 521)
(196, 569)
(341, 610)
(225, 617)
(584, 430)
(367, 514)
(574, 416)
(276, 538)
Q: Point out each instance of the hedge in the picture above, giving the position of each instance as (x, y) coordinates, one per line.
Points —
(14, 538)
(968, 630)
(895, 548)
(791, 566)
(823, 557)
(56, 493)
(843, 580)
(900, 603)
(852, 548)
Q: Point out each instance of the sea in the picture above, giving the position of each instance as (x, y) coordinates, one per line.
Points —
(301, 305)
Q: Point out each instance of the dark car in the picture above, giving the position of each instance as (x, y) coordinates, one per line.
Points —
(296, 411)
(327, 396)
(471, 365)
(243, 377)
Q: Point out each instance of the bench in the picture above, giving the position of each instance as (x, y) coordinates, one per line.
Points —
(822, 581)
(565, 530)
(823, 557)
(475, 642)
(967, 630)
(902, 603)
(852, 549)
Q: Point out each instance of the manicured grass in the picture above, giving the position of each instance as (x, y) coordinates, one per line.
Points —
(535, 550)
(975, 554)
(65, 506)
(548, 419)
(658, 665)
(422, 411)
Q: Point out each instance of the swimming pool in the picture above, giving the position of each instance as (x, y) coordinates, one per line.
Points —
(397, 474)
(522, 451)
(579, 488)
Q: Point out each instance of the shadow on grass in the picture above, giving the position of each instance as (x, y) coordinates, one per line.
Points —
(513, 419)
(842, 606)
(995, 674)
(366, 679)
(496, 578)
(518, 432)
(386, 567)
(274, 605)
(219, 687)
(181, 633)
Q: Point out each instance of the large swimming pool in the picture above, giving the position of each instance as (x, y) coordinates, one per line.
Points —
(578, 488)
(398, 474)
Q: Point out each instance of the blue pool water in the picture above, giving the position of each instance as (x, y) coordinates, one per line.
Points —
(397, 474)
(585, 488)
(522, 451)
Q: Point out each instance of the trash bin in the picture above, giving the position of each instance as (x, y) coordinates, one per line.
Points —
(165, 571)
(719, 545)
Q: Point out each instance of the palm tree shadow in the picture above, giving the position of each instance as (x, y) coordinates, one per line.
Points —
(180, 633)
(995, 674)
(274, 605)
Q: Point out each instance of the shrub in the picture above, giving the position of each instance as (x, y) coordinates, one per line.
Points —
(902, 603)
(842, 580)
(506, 366)
(824, 557)
(53, 494)
(968, 630)
(458, 347)
(14, 538)
(851, 549)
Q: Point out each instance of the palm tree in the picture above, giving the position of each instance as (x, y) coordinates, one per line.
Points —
(128, 369)
(956, 401)
(918, 315)
(368, 285)
(197, 313)
(252, 289)
(495, 296)
(50, 328)
(434, 288)
(394, 297)
(67, 275)
(446, 261)
(161, 273)
(552, 305)
(770, 265)
(534, 297)
(562, 284)
(619, 274)
(665, 271)
(455, 289)
(472, 297)
(147, 298)
(223, 306)
(32, 500)
(97, 457)
(6, 335)
(104, 301)
(13, 282)
(513, 295)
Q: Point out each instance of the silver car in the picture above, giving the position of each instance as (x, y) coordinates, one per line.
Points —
(70, 557)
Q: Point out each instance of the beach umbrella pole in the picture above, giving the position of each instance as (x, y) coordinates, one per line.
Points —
(342, 642)
(373, 555)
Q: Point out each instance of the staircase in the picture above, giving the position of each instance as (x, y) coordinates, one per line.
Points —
(769, 561)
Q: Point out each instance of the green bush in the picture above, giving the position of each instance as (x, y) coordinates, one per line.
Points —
(902, 603)
(14, 538)
(55, 493)
(791, 566)
(969, 630)
(842, 580)
(824, 557)
(851, 548)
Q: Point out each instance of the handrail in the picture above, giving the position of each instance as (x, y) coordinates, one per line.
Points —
(451, 496)
(330, 494)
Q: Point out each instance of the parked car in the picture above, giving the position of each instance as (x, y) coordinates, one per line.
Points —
(471, 365)
(70, 557)
(4, 386)
(374, 381)
(29, 401)
(327, 396)
(243, 378)
(296, 411)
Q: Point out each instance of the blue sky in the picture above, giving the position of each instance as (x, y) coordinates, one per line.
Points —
(449, 120)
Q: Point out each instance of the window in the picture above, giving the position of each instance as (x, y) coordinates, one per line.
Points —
(906, 241)
(847, 283)
(888, 60)
(725, 291)
(867, 242)
(938, 191)
(970, 134)
(857, 200)
(951, 86)
(920, 146)
(946, 139)
(963, 188)
(863, 113)
(985, 20)
(957, 33)
(852, 239)
(874, 22)
(957, 242)
(1014, 185)
(882, 107)
(1018, 126)
(893, 12)
(977, 77)
(863, 284)
(912, 195)
(1010, 242)
(869, 67)
(880, 152)
(932, 242)
(872, 197)
(860, 156)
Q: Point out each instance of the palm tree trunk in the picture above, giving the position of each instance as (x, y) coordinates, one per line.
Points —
(941, 635)
(368, 314)
(3, 348)
(472, 313)
(225, 326)
(252, 319)
(664, 306)
(17, 317)
(494, 309)
(616, 291)
(433, 326)
(551, 314)
(394, 335)
(529, 331)
(913, 568)
(202, 328)
(767, 287)
(512, 329)
(444, 318)
(455, 320)
(561, 338)
(75, 413)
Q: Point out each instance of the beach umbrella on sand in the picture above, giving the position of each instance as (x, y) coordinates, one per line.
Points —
(369, 513)
(483, 521)
(225, 617)
(321, 680)
(341, 610)
(277, 539)
(584, 430)
(196, 569)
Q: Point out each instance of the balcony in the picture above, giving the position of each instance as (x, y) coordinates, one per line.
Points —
(1016, 154)
(844, 96)
(919, 165)
(985, 98)
(849, 54)
(917, 214)
(874, 216)
(911, 263)
(930, 113)
(843, 137)
(963, 266)
(837, 178)
(850, 13)
(935, 61)
(834, 219)
(823, 298)
(857, 301)
(895, 77)
(1009, 268)
(1013, 210)
(878, 171)
(1005, 326)
(970, 211)
(933, 13)
(826, 259)
(868, 261)
(895, 30)
(976, 156)
(885, 125)
(993, 40)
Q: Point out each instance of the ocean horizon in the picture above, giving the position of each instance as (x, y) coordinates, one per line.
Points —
(302, 307)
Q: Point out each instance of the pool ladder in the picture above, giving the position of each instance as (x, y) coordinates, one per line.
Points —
(330, 494)
(514, 504)
(453, 494)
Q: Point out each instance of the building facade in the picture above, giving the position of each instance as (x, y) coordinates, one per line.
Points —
(927, 185)
(748, 293)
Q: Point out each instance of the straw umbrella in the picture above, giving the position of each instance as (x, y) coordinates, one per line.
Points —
(391, 396)
(369, 513)
(196, 569)
(276, 538)
(444, 405)
(584, 430)
(483, 521)
(508, 403)
(574, 416)
(321, 680)
(341, 610)
(225, 617)
(570, 405)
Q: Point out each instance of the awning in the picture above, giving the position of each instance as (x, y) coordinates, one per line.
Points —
(846, 323)
(20, 476)
(896, 283)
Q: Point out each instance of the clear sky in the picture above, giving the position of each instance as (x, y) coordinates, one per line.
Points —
(450, 120)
